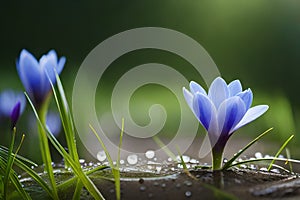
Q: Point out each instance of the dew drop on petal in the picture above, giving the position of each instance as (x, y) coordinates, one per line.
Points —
(132, 159)
(150, 154)
(101, 156)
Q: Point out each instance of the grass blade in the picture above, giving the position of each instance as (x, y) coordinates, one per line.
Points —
(280, 150)
(229, 162)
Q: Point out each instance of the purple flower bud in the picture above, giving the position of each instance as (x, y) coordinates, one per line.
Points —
(15, 114)
(12, 105)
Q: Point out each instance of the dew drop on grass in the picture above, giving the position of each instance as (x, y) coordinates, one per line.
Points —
(258, 155)
(132, 159)
(81, 161)
(101, 156)
(150, 154)
(188, 193)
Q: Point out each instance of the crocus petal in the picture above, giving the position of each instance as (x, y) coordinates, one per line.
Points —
(247, 97)
(218, 91)
(202, 107)
(188, 97)
(234, 87)
(195, 87)
(252, 114)
(230, 113)
(60, 64)
(29, 71)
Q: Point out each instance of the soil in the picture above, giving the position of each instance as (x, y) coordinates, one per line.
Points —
(172, 182)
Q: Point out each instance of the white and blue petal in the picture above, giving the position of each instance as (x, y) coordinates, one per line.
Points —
(188, 97)
(235, 87)
(247, 97)
(218, 91)
(195, 87)
(230, 113)
(252, 114)
(203, 109)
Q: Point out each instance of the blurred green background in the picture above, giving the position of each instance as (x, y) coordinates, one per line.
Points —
(255, 41)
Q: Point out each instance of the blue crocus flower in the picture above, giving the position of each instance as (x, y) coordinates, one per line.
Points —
(12, 105)
(221, 111)
(35, 75)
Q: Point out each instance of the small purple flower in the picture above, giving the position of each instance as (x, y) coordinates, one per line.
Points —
(35, 74)
(223, 110)
(12, 105)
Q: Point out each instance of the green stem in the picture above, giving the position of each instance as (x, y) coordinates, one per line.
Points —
(217, 156)
(44, 147)
(9, 162)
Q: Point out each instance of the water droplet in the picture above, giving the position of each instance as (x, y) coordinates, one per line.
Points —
(194, 161)
(81, 161)
(101, 156)
(170, 159)
(275, 171)
(142, 188)
(163, 185)
(263, 169)
(188, 183)
(122, 162)
(258, 155)
(188, 193)
(132, 159)
(150, 195)
(158, 169)
(150, 154)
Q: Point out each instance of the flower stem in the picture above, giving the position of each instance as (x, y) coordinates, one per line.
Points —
(217, 156)
(44, 147)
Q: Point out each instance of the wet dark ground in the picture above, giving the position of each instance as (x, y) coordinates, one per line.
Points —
(173, 183)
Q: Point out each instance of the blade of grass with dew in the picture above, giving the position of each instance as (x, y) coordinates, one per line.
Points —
(67, 121)
(115, 169)
(288, 155)
(70, 181)
(14, 180)
(229, 162)
(4, 152)
(165, 148)
(20, 163)
(280, 150)
(44, 143)
(89, 185)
